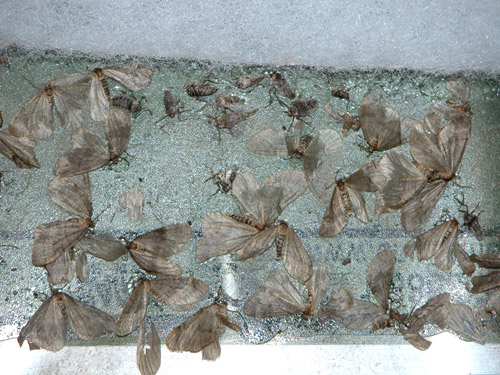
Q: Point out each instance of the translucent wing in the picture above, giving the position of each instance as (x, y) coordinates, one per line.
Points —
(34, 119)
(486, 282)
(335, 218)
(380, 124)
(82, 266)
(268, 142)
(279, 298)
(102, 248)
(69, 104)
(317, 287)
(322, 183)
(459, 88)
(87, 321)
(430, 242)
(340, 301)
(453, 139)
(358, 203)
(133, 203)
(257, 244)
(462, 320)
(368, 178)
(295, 257)
(443, 256)
(46, 329)
(292, 183)
(425, 151)
(53, 239)
(99, 100)
(133, 310)
(134, 79)
(60, 271)
(165, 241)
(86, 155)
(72, 194)
(155, 263)
(179, 293)
(379, 276)
(361, 315)
(117, 127)
(19, 150)
(148, 358)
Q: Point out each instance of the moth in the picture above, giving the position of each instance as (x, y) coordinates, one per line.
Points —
(489, 281)
(178, 293)
(471, 220)
(342, 197)
(199, 90)
(281, 87)
(277, 142)
(224, 179)
(133, 203)
(415, 186)
(460, 89)
(229, 119)
(228, 101)
(245, 81)
(88, 153)
(252, 234)
(350, 121)
(202, 331)
(441, 242)
(172, 106)
(47, 327)
(340, 92)
(67, 96)
(281, 298)
(127, 102)
(148, 357)
(302, 107)
(19, 150)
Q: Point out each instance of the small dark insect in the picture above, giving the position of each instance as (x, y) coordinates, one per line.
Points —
(302, 107)
(346, 261)
(281, 87)
(223, 179)
(471, 220)
(127, 102)
(245, 81)
(228, 101)
(171, 104)
(201, 89)
(339, 92)
(4, 61)
(228, 120)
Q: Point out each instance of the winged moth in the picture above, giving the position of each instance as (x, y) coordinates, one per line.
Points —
(20, 150)
(133, 203)
(148, 353)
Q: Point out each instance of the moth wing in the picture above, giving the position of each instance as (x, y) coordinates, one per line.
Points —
(279, 298)
(493, 303)
(257, 244)
(86, 155)
(82, 266)
(361, 315)
(148, 358)
(69, 103)
(298, 127)
(222, 235)
(53, 239)
(318, 284)
(488, 260)
(339, 301)
(417, 211)
(134, 79)
(379, 276)
(165, 241)
(369, 177)
(331, 140)
(117, 128)
(211, 352)
(358, 203)
(335, 218)
(106, 249)
(429, 243)
(466, 264)
(380, 124)
(292, 183)
(268, 142)
(407, 124)
(98, 100)
(462, 320)
(179, 293)
(133, 203)
(295, 257)
(459, 88)
(19, 150)
(425, 313)
(133, 311)
(155, 263)
(453, 139)
(322, 183)
(72, 194)
(34, 119)
(417, 341)
(197, 332)
(483, 283)
(426, 151)
(403, 182)
(87, 321)
(246, 190)
(46, 329)
(60, 271)
(443, 257)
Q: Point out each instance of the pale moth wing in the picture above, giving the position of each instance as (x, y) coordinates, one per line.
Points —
(72, 194)
(461, 319)
(358, 203)
(269, 142)
(335, 218)
(178, 293)
(279, 298)
(148, 354)
(117, 127)
(361, 315)
(379, 276)
(295, 257)
(165, 241)
(60, 271)
(292, 183)
(102, 248)
(69, 104)
(257, 244)
(133, 78)
(46, 329)
(19, 150)
(133, 310)
(488, 260)
(133, 203)
(35, 118)
(486, 282)
(339, 301)
(82, 266)
(99, 100)
(316, 287)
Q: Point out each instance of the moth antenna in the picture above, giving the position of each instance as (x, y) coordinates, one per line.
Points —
(11, 246)
(104, 210)
(154, 214)
(27, 80)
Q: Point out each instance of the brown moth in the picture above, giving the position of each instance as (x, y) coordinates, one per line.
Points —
(202, 331)
(148, 358)
(19, 150)
(350, 121)
(66, 95)
(223, 179)
(54, 239)
(281, 298)
(88, 153)
(229, 119)
(127, 102)
(277, 142)
(416, 186)
(460, 319)
(344, 197)
(133, 203)
(228, 101)
(47, 327)
(172, 106)
(245, 81)
(178, 293)
(200, 90)
(302, 107)
(252, 234)
(340, 92)
(281, 87)
(471, 220)
(441, 242)
(489, 281)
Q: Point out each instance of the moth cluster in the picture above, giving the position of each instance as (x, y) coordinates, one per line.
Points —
(410, 184)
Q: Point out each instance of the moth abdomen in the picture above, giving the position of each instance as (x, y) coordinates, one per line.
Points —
(302, 107)
(246, 220)
(104, 82)
(127, 102)
(203, 89)
(303, 145)
(344, 195)
(280, 239)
